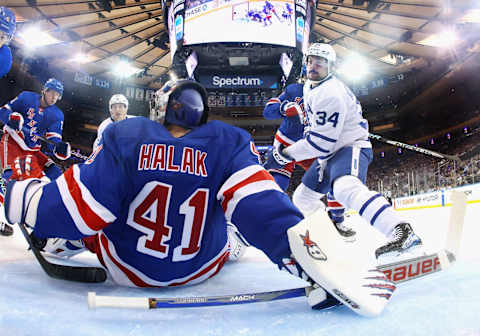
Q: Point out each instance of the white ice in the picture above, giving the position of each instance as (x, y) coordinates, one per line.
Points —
(444, 303)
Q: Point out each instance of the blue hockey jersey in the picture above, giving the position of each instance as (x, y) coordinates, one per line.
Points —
(160, 204)
(290, 129)
(5, 60)
(46, 121)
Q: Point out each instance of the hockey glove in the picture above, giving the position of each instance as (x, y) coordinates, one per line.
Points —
(317, 297)
(62, 150)
(26, 167)
(15, 121)
(275, 159)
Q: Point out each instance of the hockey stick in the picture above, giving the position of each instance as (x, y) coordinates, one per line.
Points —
(95, 301)
(413, 148)
(397, 272)
(74, 153)
(64, 272)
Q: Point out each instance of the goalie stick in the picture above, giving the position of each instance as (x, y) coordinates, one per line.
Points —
(401, 271)
(398, 272)
(88, 274)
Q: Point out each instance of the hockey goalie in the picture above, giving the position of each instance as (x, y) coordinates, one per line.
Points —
(156, 197)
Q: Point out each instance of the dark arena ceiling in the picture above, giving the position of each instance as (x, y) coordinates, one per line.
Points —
(428, 50)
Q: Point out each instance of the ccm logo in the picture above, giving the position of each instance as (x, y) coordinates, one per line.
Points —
(413, 270)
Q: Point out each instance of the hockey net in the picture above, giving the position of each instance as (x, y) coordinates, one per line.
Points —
(240, 10)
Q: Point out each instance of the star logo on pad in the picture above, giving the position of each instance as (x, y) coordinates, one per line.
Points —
(312, 248)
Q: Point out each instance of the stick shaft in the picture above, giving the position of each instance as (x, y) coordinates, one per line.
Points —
(413, 148)
(95, 301)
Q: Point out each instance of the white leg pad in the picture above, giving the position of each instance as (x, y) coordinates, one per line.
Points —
(347, 271)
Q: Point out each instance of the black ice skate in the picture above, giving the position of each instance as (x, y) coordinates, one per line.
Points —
(347, 233)
(5, 229)
(403, 239)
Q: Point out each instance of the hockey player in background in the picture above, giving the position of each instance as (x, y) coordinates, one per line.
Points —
(289, 107)
(118, 107)
(338, 138)
(157, 195)
(7, 29)
(26, 116)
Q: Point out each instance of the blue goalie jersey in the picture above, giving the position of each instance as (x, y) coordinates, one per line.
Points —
(160, 204)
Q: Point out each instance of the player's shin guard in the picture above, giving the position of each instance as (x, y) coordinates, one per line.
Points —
(346, 271)
(372, 206)
(307, 200)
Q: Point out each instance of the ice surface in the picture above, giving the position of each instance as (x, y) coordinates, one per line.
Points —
(444, 303)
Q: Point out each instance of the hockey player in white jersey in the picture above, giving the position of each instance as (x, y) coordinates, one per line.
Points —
(338, 138)
(118, 107)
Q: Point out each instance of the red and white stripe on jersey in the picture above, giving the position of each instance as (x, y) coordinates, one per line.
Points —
(274, 101)
(50, 135)
(88, 215)
(127, 275)
(283, 139)
(245, 182)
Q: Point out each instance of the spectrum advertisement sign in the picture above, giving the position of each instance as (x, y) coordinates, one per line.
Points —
(230, 81)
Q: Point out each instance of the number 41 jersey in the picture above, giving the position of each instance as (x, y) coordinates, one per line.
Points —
(160, 204)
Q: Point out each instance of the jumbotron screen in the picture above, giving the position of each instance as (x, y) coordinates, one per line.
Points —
(270, 21)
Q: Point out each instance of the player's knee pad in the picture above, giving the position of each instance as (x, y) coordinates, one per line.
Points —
(348, 190)
(307, 200)
(238, 243)
(371, 205)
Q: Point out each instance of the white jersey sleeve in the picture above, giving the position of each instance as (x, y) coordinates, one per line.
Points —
(335, 121)
(102, 127)
(100, 130)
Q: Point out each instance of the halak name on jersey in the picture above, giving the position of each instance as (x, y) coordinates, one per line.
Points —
(161, 157)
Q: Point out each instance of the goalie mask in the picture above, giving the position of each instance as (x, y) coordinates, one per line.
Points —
(181, 102)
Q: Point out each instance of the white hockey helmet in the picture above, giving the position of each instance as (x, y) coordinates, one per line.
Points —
(118, 99)
(322, 50)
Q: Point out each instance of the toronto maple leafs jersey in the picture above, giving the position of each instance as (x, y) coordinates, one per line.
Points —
(160, 204)
(290, 130)
(5, 60)
(334, 121)
(44, 121)
(102, 127)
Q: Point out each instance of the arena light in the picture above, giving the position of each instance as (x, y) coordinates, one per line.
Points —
(472, 16)
(81, 58)
(354, 67)
(445, 39)
(173, 75)
(124, 69)
(33, 37)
